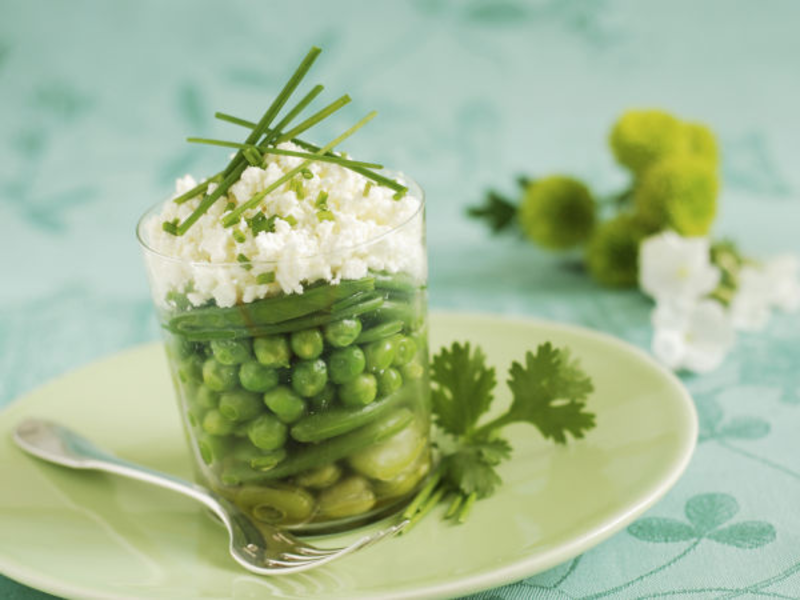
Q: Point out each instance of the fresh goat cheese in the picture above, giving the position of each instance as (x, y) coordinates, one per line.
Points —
(313, 237)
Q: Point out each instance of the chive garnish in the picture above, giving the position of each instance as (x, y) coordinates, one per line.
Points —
(324, 215)
(232, 218)
(322, 199)
(298, 108)
(245, 261)
(314, 119)
(367, 188)
(208, 200)
(265, 278)
(307, 174)
(259, 222)
(290, 220)
(200, 188)
(170, 226)
(253, 156)
(239, 236)
(230, 206)
(299, 189)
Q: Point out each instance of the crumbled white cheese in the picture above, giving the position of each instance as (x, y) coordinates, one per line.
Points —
(367, 232)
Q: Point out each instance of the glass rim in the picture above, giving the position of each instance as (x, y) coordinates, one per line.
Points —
(414, 189)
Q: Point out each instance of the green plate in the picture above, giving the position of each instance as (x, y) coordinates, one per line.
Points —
(92, 535)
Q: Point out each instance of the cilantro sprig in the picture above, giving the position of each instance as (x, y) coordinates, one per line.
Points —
(549, 391)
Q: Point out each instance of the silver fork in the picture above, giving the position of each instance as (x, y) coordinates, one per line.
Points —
(264, 550)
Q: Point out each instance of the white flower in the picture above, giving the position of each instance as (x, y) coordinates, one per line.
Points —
(694, 337)
(750, 306)
(676, 269)
(783, 274)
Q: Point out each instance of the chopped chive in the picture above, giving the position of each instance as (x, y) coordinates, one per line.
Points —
(253, 156)
(265, 278)
(255, 200)
(399, 194)
(314, 119)
(170, 226)
(454, 506)
(290, 220)
(422, 496)
(325, 215)
(235, 120)
(307, 174)
(245, 261)
(230, 206)
(427, 507)
(239, 236)
(367, 188)
(259, 222)
(322, 199)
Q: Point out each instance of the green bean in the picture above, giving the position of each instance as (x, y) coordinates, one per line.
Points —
(360, 391)
(219, 377)
(272, 351)
(397, 282)
(307, 344)
(389, 381)
(268, 311)
(345, 364)
(267, 432)
(384, 330)
(231, 352)
(338, 421)
(240, 405)
(255, 377)
(346, 303)
(398, 311)
(379, 355)
(343, 332)
(215, 423)
(286, 404)
(329, 451)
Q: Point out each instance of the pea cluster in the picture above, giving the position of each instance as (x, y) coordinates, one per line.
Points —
(314, 425)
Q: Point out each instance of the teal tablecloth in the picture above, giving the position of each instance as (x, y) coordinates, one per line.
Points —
(97, 96)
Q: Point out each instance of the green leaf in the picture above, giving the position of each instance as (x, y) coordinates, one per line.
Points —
(709, 511)
(745, 428)
(498, 212)
(661, 530)
(747, 535)
(470, 466)
(550, 393)
(462, 387)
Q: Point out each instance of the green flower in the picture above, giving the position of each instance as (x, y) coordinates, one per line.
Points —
(679, 192)
(642, 137)
(701, 143)
(612, 254)
(557, 212)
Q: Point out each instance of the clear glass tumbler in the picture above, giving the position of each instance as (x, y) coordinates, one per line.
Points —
(310, 410)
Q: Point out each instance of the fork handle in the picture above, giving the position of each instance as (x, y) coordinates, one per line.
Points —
(57, 444)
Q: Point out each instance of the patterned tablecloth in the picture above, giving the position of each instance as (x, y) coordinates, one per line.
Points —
(97, 96)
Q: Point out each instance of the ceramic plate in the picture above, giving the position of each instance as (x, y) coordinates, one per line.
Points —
(92, 535)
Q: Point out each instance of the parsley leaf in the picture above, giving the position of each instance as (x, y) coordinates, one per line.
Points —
(461, 387)
(496, 210)
(550, 393)
(469, 466)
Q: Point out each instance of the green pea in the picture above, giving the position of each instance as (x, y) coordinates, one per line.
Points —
(389, 381)
(220, 377)
(360, 391)
(213, 448)
(215, 423)
(342, 333)
(267, 432)
(346, 364)
(320, 478)
(231, 352)
(324, 399)
(307, 344)
(309, 377)
(282, 505)
(240, 405)
(190, 369)
(351, 496)
(255, 377)
(272, 351)
(286, 405)
(412, 370)
(206, 397)
(379, 355)
(404, 351)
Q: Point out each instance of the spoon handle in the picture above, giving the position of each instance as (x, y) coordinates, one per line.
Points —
(57, 444)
